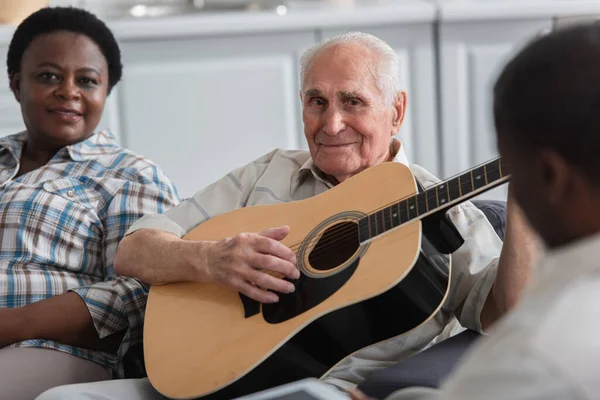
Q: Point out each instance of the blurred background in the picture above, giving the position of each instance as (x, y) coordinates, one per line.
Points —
(210, 85)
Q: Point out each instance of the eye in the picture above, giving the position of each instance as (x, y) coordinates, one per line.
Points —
(317, 102)
(49, 76)
(354, 102)
(88, 81)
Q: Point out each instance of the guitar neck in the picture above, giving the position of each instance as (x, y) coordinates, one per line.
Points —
(437, 198)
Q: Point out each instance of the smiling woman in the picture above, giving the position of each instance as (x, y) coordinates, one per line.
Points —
(69, 194)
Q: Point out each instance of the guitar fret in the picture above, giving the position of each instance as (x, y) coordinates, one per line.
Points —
(472, 185)
(372, 225)
(404, 211)
(454, 189)
(504, 169)
(485, 173)
(363, 229)
(432, 201)
(395, 216)
(479, 182)
(465, 183)
(412, 208)
(387, 219)
(442, 193)
(422, 203)
(494, 172)
(380, 223)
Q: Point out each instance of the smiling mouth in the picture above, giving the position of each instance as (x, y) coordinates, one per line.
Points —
(66, 116)
(66, 113)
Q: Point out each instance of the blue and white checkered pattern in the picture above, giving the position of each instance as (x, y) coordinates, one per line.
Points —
(59, 230)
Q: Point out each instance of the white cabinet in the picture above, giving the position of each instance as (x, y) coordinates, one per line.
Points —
(202, 106)
(471, 57)
(10, 114)
(415, 46)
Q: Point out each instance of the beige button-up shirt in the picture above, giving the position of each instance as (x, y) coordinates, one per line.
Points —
(286, 175)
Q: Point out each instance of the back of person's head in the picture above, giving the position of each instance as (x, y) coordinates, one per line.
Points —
(53, 19)
(548, 96)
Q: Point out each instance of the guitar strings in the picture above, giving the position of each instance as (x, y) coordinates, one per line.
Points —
(353, 229)
(348, 232)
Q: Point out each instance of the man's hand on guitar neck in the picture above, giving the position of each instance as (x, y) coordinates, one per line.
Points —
(250, 263)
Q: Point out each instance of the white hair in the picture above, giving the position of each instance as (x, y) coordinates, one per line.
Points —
(388, 67)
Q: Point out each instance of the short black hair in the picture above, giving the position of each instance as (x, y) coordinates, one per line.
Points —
(548, 96)
(52, 19)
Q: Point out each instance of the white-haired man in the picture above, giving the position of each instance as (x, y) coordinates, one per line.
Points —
(353, 107)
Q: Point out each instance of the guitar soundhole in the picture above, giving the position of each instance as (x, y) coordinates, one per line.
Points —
(337, 244)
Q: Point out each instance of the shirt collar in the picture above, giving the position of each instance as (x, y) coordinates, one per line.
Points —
(99, 143)
(309, 166)
(569, 260)
(13, 144)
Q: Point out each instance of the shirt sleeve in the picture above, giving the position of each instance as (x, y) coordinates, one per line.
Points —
(118, 303)
(516, 375)
(228, 193)
(474, 264)
(507, 367)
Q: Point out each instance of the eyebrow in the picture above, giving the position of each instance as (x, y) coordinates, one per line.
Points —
(312, 92)
(349, 95)
(56, 66)
(342, 94)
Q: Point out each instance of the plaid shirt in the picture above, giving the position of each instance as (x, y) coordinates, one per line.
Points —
(60, 226)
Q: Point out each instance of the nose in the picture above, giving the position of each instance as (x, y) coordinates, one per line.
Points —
(68, 90)
(334, 121)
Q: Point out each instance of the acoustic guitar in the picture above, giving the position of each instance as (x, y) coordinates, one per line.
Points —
(373, 256)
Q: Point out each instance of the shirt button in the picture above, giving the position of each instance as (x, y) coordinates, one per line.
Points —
(70, 193)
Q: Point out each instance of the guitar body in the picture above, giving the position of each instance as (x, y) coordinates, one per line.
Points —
(206, 340)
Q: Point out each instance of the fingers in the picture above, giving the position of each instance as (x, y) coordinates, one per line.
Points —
(272, 263)
(267, 281)
(276, 233)
(274, 247)
(255, 293)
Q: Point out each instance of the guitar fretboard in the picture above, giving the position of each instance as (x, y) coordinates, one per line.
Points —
(434, 199)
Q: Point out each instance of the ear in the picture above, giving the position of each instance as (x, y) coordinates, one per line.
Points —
(15, 85)
(556, 177)
(399, 111)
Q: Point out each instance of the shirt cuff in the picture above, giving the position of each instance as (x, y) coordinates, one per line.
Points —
(105, 307)
(159, 222)
(471, 311)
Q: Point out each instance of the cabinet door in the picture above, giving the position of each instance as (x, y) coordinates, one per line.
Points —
(200, 107)
(471, 57)
(414, 44)
(11, 121)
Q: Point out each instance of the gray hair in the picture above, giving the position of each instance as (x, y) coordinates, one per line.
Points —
(387, 73)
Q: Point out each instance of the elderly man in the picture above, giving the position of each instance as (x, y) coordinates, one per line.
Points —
(353, 107)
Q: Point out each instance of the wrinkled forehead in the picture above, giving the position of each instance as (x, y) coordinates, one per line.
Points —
(342, 68)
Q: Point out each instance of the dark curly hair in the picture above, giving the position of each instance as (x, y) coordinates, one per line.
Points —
(52, 19)
(548, 95)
